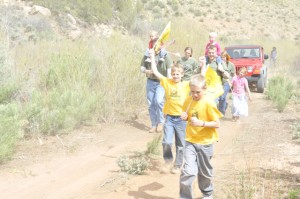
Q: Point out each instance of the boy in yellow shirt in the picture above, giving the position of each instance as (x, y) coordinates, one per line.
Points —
(203, 119)
(176, 92)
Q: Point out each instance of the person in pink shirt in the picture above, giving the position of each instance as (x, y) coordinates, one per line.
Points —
(212, 41)
(239, 99)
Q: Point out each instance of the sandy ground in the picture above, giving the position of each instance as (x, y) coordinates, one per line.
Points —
(82, 165)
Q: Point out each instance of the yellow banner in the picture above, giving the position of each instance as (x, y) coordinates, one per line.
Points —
(163, 37)
(214, 84)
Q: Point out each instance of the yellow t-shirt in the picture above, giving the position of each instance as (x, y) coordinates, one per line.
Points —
(205, 110)
(175, 94)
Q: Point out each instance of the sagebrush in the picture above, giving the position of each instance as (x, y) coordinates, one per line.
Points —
(280, 89)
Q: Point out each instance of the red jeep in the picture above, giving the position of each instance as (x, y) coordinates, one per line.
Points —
(252, 57)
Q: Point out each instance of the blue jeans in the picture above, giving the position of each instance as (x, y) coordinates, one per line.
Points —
(174, 125)
(222, 99)
(155, 99)
(162, 53)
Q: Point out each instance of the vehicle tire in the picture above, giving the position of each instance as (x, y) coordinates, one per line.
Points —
(260, 85)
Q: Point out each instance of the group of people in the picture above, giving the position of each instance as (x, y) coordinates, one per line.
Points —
(186, 99)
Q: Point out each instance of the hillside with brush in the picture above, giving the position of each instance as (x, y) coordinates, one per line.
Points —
(240, 19)
(61, 60)
(73, 111)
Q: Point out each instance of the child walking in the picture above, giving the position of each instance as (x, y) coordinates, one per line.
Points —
(203, 120)
(176, 92)
(239, 98)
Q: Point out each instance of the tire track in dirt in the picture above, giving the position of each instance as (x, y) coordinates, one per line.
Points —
(166, 186)
(75, 175)
(92, 172)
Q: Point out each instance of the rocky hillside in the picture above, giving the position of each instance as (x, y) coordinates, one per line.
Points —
(26, 21)
(272, 19)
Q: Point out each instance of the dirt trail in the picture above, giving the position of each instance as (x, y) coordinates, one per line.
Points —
(83, 165)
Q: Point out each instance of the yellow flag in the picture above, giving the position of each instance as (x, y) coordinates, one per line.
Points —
(163, 37)
(214, 84)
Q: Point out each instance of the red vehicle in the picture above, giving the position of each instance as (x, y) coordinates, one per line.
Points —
(253, 58)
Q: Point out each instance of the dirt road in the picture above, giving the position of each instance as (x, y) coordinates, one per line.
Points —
(82, 165)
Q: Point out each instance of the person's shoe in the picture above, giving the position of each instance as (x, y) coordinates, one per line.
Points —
(159, 128)
(152, 130)
(208, 197)
(165, 168)
(161, 60)
(233, 118)
(148, 60)
(175, 170)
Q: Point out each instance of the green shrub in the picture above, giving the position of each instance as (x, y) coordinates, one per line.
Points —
(197, 13)
(79, 81)
(96, 11)
(157, 11)
(6, 66)
(140, 162)
(89, 10)
(153, 147)
(59, 110)
(10, 130)
(294, 68)
(174, 5)
(294, 194)
(78, 76)
(280, 90)
(296, 130)
(127, 11)
(133, 165)
(7, 91)
(191, 10)
(66, 97)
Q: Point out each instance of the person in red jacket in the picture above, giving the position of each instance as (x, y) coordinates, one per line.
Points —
(162, 52)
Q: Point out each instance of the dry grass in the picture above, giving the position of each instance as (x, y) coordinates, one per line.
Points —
(266, 159)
